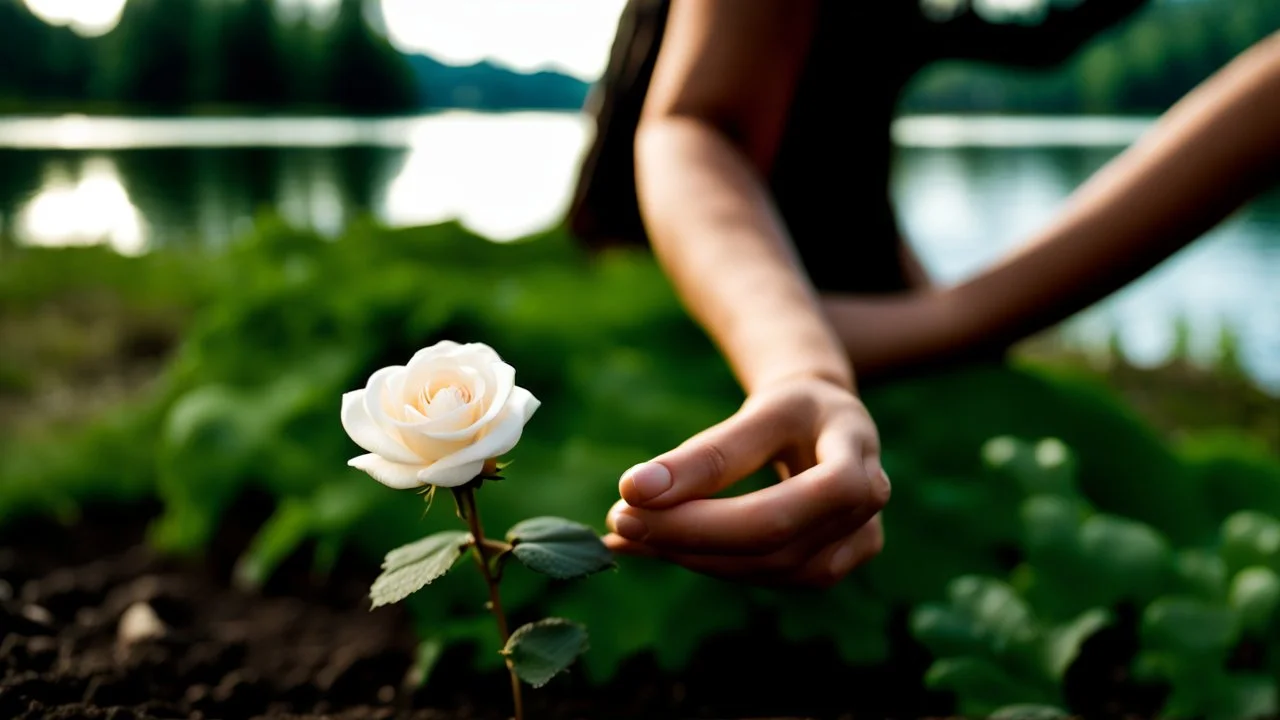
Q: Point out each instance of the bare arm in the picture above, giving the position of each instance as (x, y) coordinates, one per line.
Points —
(1207, 156)
(709, 131)
(711, 125)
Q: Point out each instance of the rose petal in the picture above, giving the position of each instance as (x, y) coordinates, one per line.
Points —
(500, 437)
(451, 476)
(504, 386)
(378, 401)
(366, 433)
(392, 474)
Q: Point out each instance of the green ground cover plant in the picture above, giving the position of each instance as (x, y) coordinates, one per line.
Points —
(1031, 508)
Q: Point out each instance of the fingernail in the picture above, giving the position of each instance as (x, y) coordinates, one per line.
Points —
(650, 479)
(630, 527)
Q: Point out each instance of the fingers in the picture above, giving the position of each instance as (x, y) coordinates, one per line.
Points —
(762, 522)
(805, 563)
(709, 461)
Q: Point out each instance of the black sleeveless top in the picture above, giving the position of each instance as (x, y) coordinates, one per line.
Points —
(831, 171)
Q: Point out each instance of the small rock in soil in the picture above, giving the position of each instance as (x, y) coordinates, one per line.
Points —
(139, 622)
(38, 615)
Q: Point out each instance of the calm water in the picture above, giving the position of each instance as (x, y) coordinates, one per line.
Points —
(968, 190)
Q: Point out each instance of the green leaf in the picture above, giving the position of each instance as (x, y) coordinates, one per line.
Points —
(1051, 525)
(428, 654)
(1246, 696)
(981, 686)
(279, 536)
(1201, 573)
(540, 650)
(412, 567)
(1255, 593)
(1130, 560)
(560, 548)
(1250, 538)
(998, 614)
(1187, 627)
(1047, 467)
(1063, 643)
(946, 631)
(1029, 712)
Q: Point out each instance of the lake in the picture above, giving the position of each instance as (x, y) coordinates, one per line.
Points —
(968, 189)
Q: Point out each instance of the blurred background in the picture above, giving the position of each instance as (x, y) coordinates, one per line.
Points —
(216, 216)
(148, 123)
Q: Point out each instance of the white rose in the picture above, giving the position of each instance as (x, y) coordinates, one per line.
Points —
(438, 419)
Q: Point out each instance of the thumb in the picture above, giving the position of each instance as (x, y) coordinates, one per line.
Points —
(707, 462)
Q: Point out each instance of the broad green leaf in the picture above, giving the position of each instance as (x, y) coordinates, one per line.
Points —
(540, 650)
(947, 632)
(981, 687)
(1187, 627)
(1130, 560)
(412, 567)
(1051, 526)
(860, 634)
(1045, 467)
(998, 614)
(429, 652)
(279, 536)
(1201, 573)
(1244, 697)
(1062, 644)
(1255, 593)
(560, 548)
(1250, 538)
(1029, 712)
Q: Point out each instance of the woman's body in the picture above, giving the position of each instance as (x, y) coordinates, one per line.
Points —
(751, 257)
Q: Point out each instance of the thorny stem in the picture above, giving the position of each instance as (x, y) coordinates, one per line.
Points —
(467, 506)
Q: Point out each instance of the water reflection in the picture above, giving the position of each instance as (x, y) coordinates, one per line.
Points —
(964, 208)
(967, 190)
(500, 176)
(85, 206)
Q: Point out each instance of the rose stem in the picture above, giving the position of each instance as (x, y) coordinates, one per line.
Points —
(467, 503)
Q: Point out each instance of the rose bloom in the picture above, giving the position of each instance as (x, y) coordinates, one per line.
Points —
(437, 420)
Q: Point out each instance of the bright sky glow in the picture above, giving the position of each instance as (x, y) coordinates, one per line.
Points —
(568, 35)
(89, 18)
(572, 36)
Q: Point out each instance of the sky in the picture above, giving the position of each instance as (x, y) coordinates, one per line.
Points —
(571, 36)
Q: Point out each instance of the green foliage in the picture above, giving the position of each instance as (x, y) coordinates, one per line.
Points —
(993, 649)
(1052, 500)
(1142, 66)
(182, 55)
(409, 568)
(560, 548)
(539, 651)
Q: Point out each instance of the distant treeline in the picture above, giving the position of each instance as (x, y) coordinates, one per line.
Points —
(185, 55)
(1142, 66)
(238, 55)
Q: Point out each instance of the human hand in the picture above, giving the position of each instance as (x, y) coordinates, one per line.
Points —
(812, 528)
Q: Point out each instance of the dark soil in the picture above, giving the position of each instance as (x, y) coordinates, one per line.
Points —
(305, 651)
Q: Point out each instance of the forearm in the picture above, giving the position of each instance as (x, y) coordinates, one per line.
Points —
(1208, 156)
(714, 229)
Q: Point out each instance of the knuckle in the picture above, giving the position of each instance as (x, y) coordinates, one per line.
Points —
(878, 490)
(711, 460)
